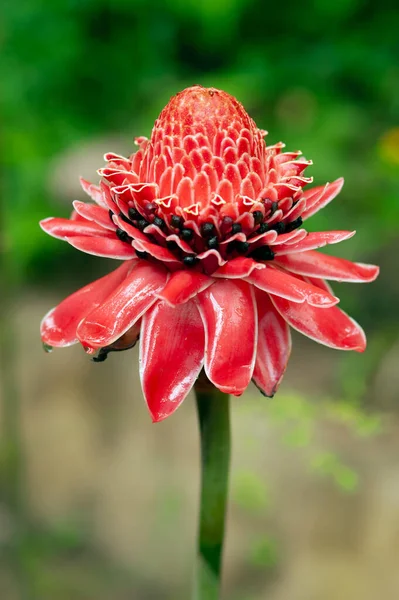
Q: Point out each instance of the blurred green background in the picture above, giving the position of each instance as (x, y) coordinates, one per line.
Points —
(95, 502)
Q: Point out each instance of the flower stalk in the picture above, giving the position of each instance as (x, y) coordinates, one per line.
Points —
(214, 426)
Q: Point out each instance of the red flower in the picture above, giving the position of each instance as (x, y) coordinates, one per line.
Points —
(207, 220)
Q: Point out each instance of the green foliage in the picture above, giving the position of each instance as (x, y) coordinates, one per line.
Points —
(250, 492)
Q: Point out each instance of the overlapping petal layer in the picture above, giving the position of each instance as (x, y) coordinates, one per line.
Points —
(217, 266)
(171, 357)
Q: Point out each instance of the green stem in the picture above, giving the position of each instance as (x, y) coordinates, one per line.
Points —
(214, 424)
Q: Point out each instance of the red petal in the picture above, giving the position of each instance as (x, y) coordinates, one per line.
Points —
(237, 268)
(103, 247)
(324, 266)
(64, 228)
(184, 285)
(94, 191)
(329, 326)
(280, 283)
(123, 307)
(158, 252)
(91, 212)
(228, 311)
(274, 346)
(314, 240)
(318, 197)
(171, 356)
(58, 327)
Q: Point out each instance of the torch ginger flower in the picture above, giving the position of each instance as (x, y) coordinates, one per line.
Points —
(216, 265)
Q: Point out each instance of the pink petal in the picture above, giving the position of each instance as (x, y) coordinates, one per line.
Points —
(91, 212)
(128, 302)
(237, 268)
(109, 248)
(65, 228)
(184, 285)
(228, 311)
(324, 266)
(280, 283)
(329, 326)
(58, 327)
(318, 197)
(171, 355)
(274, 346)
(314, 240)
(94, 191)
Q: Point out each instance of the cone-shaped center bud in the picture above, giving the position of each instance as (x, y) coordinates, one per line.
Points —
(206, 155)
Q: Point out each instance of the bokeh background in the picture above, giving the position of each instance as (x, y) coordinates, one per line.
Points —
(95, 501)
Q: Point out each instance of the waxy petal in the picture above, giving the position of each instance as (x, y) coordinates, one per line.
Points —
(314, 240)
(171, 355)
(94, 191)
(228, 311)
(274, 346)
(184, 285)
(323, 266)
(128, 302)
(58, 327)
(63, 229)
(106, 247)
(281, 283)
(238, 268)
(318, 197)
(91, 212)
(328, 326)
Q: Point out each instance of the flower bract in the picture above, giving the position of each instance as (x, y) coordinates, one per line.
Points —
(207, 221)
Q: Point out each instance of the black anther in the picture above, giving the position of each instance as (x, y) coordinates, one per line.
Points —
(187, 234)
(171, 245)
(263, 228)
(236, 228)
(258, 216)
(142, 254)
(293, 225)
(213, 243)
(142, 224)
(124, 218)
(190, 261)
(279, 227)
(176, 221)
(208, 230)
(134, 214)
(273, 208)
(159, 223)
(122, 235)
(241, 247)
(111, 214)
(262, 253)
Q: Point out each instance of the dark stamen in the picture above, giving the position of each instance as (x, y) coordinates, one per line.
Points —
(236, 228)
(111, 214)
(124, 218)
(293, 225)
(208, 230)
(213, 243)
(273, 208)
(159, 223)
(263, 228)
(171, 245)
(123, 236)
(258, 216)
(101, 356)
(190, 261)
(176, 221)
(140, 254)
(134, 214)
(187, 234)
(279, 227)
(241, 247)
(142, 224)
(262, 253)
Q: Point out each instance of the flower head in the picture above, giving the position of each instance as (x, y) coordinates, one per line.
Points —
(217, 266)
